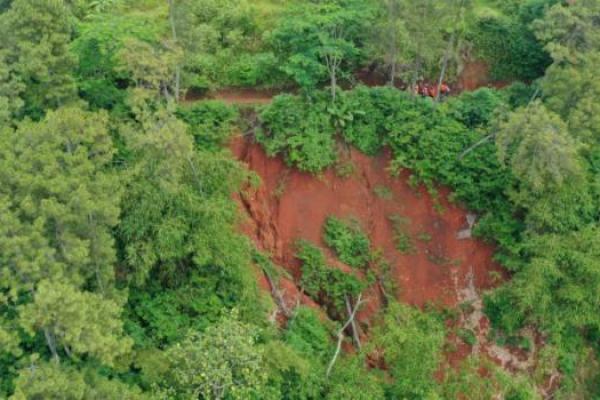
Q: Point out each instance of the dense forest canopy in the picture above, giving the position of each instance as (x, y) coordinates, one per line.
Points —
(123, 271)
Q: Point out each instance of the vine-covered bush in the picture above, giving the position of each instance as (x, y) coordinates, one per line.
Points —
(300, 129)
(508, 43)
(346, 238)
(210, 122)
(326, 284)
(475, 109)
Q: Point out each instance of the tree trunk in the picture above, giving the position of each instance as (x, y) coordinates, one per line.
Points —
(445, 66)
(476, 145)
(51, 344)
(174, 34)
(333, 80)
(355, 333)
(340, 335)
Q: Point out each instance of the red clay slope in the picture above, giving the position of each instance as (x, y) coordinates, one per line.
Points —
(291, 205)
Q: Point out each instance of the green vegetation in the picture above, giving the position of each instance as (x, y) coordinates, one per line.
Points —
(402, 238)
(348, 240)
(327, 285)
(411, 344)
(123, 273)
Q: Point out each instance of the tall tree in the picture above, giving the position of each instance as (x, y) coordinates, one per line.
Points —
(52, 382)
(171, 191)
(536, 144)
(425, 41)
(572, 92)
(59, 203)
(558, 286)
(223, 362)
(37, 35)
(410, 343)
(570, 29)
(389, 35)
(456, 13)
(153, 67)
(318, 41)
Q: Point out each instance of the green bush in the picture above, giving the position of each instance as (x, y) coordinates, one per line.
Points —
(348, 241)
(411, 342)
(474, 109)
(500, 309)
(308, 334)
(365, 129)
(251, 70)
(507, 42)
(210, 122)
(301, 130)
(325, 284)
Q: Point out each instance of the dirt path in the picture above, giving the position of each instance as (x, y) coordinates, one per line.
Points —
(238, 96)
(474, 76)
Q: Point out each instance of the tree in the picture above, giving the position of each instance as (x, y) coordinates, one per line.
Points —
(410, 343)
(536, 144)
(75, 321)
(318, 40)
(571, 91)
(389, 35)
(569, 30)
(503, 36)
(456, 29)
(411, 43)
(424, 44)
(351, 380)
(174, 39)
(558, 285)
(36, 54)
(172, 190)
(11, 88)
(59, 203)
(152, 67)
(222, 42)
(53, 382)
(223, 362)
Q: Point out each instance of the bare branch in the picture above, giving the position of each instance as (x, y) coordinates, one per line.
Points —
(340, 334)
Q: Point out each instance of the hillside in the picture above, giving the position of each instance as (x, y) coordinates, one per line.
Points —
(299, 200)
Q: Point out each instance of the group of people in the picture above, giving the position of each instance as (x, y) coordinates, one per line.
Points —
(429, 90)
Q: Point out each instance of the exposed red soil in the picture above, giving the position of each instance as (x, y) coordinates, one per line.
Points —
(291, 205)
(476, 74)
(249, 96)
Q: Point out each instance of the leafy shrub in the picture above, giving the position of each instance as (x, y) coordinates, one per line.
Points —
(351, 379)
(348, 241)
(301, 130)
(509, 45)
(500, 308)
(402, 239)
(308, 334)
(251, 70)
(325, 284)
(474, 109)
(210, 122)
(519, 94)
(412, 342)
(467, 336)
(377, 113)
(364, 130)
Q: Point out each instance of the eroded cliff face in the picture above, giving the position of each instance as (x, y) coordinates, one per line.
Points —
(444, 264)
(291, 205)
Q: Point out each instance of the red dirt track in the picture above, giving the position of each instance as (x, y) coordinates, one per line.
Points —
(291, 205)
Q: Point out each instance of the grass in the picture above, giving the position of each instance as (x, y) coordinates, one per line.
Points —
(402, 239)
(383, 192)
